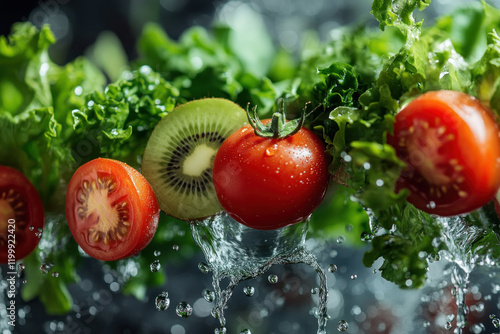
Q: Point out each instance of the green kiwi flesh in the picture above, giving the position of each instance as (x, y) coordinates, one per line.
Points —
(179, 155)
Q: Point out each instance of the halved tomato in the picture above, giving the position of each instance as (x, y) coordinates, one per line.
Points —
(21, 215)
(111, 209)
(451, 145)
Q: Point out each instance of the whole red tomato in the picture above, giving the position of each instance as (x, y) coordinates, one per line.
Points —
(267, 182)
(451, 145)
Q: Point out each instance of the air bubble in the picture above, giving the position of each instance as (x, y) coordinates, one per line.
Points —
(332, 268)
(55, 274)
(431, 205)
(220, 330)
(204, 268)
(155, 266)
(354, 276)
(496, 322)
(342, 326)
(249, 291)
(175, 247)
(162, 302)
(245, 331)
(184, 310)
(209, 295)
(157, 253)
(45, 268)
(273, 279)
(340, 239)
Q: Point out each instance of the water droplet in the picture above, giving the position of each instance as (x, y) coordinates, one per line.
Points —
(270, 151)
(354, 276)
(208, 295)
(496, 322)
(20, 269)
(367, 165)
(155, 266)
(55, 274)
(184, 310)
(448, 326)
(162, 302)
(157, 253)
(340, 239)
(332, 268)
(273, 279)
(431, 205)
(45, 268)
(175, 247)
(245, 331)
(314, 291)
(342, 326)
(478, 328)
(78, 90)
(220, 330)
(204, 268)
(379, 183)
(31, 228)
(25, 281)
(249, 291)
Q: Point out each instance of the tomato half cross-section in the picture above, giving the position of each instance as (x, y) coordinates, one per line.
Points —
(111, 209)
(21, 216)
(267, 180)
(451, 145)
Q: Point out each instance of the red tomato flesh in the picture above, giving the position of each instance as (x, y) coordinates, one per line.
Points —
(267, 183)
(111, 209)
(451, 145)
(21, 215)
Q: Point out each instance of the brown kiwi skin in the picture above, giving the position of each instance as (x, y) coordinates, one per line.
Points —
(201, 218)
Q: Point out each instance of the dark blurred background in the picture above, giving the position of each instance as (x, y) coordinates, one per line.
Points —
(77, 23)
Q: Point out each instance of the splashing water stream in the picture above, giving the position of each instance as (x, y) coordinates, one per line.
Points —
(239, 253)
(459, 236)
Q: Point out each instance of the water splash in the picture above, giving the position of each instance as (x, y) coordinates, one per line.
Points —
(239, 253)
(459, 236)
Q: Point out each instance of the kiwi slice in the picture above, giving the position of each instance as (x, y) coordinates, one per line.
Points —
(179, 155)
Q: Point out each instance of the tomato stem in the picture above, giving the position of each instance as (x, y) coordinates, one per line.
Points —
(279, 127)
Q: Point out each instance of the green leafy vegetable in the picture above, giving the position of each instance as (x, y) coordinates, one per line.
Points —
(54, 118)
(128, 109)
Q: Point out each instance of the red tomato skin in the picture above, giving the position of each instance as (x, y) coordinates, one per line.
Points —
(475, 147)
(143, 208)
(268, 183)
(26, 238)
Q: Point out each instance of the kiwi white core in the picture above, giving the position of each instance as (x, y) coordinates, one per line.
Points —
(199, 160)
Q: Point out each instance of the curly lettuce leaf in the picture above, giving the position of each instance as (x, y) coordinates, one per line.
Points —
(24, 64)
(486, 74)
(399, 14)
(116, 123)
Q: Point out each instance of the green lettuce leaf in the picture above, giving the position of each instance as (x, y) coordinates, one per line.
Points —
(116, 123)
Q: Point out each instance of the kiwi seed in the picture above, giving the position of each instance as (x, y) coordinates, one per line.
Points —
(179, 155)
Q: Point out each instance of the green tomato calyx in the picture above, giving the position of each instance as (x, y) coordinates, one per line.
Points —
(279, 127)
